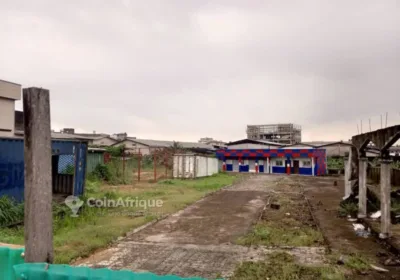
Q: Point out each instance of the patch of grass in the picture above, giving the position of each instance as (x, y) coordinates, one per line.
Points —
(280, 234)
(357, 262)
(96, 228)
(210, 183)
(166, 182)
(11, 212)
(92, 185)
(281, 266)
(12, 235)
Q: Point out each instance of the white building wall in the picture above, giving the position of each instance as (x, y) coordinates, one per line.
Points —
(135, 148)
(7, 119)
(303, 162)
(106, 141)
(10, 90)
(194, 166)
(201, 166)
(274, 160)
(212, 166)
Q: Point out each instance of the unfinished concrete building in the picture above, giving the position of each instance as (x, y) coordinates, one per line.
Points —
(285, 134)
(356, 172)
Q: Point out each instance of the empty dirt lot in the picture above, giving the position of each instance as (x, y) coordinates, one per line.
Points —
(213, 236)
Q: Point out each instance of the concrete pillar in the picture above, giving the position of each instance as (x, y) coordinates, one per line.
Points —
(347, 176)
(362, 190)
(385, 199)
(313, 166)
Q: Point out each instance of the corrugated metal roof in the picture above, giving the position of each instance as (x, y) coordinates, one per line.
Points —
(165, 144)
(325, 143)
(243, 141)
(19, 134)
(93, 136)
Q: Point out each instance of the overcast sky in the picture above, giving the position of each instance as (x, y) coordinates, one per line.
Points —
(181, 70)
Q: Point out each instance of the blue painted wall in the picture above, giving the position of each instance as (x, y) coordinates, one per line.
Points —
(12, 168)
(12, 165)
(278, 169)
(229, 167)
(243, 168)
(305, 171)
(261, 168)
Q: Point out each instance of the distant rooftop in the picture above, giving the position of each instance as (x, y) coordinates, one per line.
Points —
(165, 143)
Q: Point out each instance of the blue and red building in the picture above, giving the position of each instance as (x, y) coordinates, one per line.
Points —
(265, 157)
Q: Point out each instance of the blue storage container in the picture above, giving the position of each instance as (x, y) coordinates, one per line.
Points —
(68, 167)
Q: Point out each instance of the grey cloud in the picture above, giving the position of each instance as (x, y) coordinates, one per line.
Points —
(206, 68)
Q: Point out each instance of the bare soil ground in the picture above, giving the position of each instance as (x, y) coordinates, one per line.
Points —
(325, 198)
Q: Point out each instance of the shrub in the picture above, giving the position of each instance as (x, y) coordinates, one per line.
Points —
(11, 212)
(102, 172)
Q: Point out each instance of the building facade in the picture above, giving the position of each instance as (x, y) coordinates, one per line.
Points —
(260, 156)
(304, 161)
(9, 93)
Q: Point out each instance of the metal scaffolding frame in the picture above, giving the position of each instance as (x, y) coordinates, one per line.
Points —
(280, 133)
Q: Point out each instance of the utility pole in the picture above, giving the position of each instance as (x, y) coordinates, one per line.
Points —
(38, 219)
(370, 125)
(386, 118)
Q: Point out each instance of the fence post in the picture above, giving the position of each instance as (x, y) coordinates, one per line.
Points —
(123, 165)
(38, 218)
(139, 162)
(166, 163)
(155, 165)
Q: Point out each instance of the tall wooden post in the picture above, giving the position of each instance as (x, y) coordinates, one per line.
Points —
(155, 165)
(38, 182)
(139, 162)
(123, 165)
(166, 163)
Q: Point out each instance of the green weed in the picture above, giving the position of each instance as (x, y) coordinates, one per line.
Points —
(281, 266)
(280, 234)
(11, 212)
